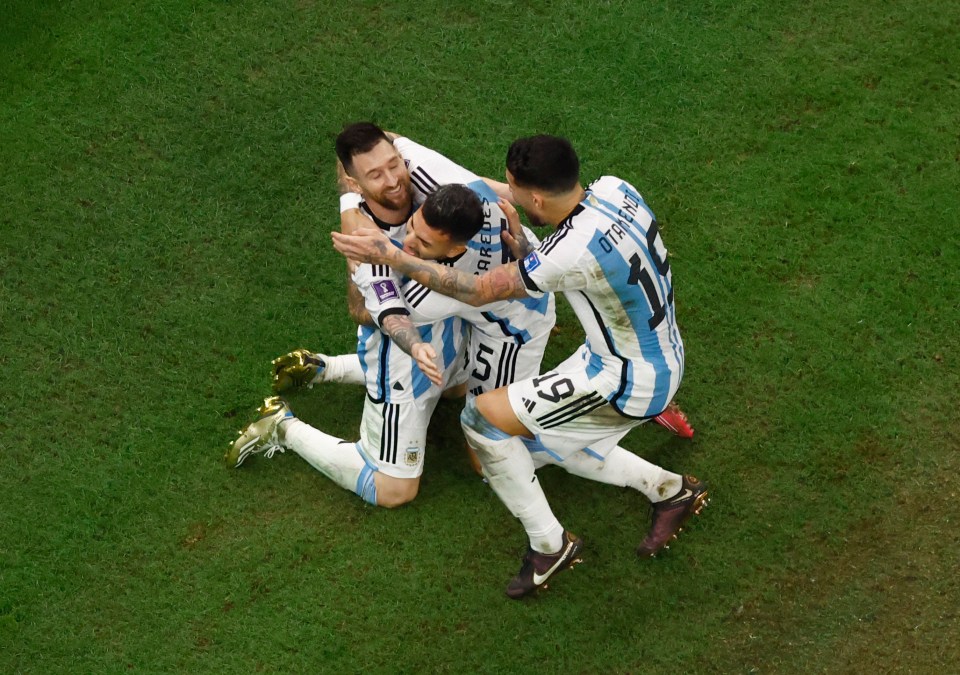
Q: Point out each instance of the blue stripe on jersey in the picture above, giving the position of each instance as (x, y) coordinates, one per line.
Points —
(539, 305)
(594, 363)
(633, 298)
(486, 193)
(450, 341)
(593, 453)
(366, 335)
(615, 214)
(520, 336)
(483, 191)
(420, 381)
(362, 337)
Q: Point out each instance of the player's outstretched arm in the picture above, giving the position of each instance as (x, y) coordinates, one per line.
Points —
(372, 246)
(402, 331)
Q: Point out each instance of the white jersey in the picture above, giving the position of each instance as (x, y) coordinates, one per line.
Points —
(391, 375)
(501, 328)
(609, 260)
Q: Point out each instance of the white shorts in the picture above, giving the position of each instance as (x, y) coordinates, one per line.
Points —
(495, 363)
(566, 414)
(393, 436)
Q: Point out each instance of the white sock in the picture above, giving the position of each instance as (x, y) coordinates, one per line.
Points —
(344, 368)
(335, 458)
(510, 472)
(622, 467)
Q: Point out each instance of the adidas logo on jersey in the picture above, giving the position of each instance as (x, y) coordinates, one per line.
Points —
(528, 404)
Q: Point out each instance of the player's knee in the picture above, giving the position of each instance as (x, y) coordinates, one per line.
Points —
(471, 419)
(394, 492)
(481, 435)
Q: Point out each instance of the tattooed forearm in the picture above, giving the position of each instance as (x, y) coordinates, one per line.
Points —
(402, 331)
(356, 307)
(501, 283)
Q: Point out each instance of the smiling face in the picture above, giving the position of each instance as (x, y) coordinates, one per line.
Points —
(383, 178)
(428, 243)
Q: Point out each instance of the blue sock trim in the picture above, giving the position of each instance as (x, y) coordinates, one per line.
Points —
(366, 486)
(591, 452)
(473, 419)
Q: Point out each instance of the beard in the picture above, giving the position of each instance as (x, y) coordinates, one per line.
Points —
(535, 220)
(399, 202)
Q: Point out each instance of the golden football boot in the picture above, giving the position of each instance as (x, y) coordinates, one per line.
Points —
(261, 435)
(296, 370)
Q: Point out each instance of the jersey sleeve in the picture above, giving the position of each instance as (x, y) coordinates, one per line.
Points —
(555, 265)
(429, 169)
(380, 287)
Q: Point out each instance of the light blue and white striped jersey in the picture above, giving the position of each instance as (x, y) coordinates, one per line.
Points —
(393, 376)
(608, 258)
(385, 292)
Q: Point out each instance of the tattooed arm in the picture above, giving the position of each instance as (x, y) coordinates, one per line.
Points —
(356, 306)
(501, 283)
(402, 331)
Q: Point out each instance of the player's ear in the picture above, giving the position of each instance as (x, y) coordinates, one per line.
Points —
(352, 183)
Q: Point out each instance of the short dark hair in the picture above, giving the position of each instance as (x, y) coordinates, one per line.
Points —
(454, 210)
(356, 139)
(546, 162)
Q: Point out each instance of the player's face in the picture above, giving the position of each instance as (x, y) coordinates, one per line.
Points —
(383, 177)
(525, 199)
(427, 243)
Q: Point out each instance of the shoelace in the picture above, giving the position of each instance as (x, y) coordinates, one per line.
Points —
(271, 450)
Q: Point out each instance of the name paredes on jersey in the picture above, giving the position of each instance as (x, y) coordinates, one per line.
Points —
(486, 248)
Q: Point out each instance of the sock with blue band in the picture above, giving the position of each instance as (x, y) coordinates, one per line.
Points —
(510, 471)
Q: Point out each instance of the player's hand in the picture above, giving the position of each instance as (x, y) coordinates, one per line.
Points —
(295, 370)
(426, 357)
(365, 246)
(353, 221)
(513, 237)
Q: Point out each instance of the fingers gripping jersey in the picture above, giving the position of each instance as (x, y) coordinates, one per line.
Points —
(610, 261)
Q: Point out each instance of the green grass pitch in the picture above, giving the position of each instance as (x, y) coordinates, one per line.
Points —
(167, 191)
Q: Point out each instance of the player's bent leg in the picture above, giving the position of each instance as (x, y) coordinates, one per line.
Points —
(393, 492)
(339, 460)
(494, 407)
(301, 368)
(393, 440)
(674, 419)
(510, 471)
(623, 468)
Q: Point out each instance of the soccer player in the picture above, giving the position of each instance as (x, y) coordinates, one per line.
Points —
(385, 466)
(608, 258)
(508, 340)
